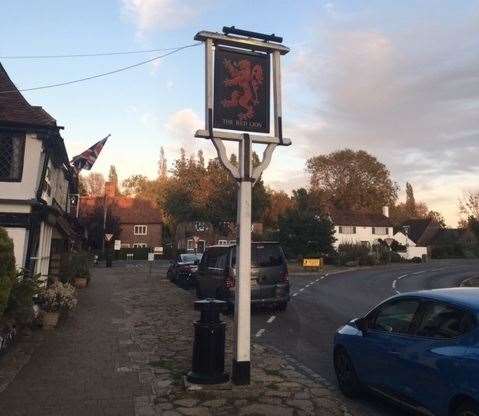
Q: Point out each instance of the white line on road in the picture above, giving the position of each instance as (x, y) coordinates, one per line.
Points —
(295, 294)
(421, 272)
(394, 284)
(260, 333)
(301, 289)
(270, 320)
(402, 277)
(317, 280)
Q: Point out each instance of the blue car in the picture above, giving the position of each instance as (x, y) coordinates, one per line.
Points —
(418, 349)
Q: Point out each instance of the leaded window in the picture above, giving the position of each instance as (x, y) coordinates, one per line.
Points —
(12, 147)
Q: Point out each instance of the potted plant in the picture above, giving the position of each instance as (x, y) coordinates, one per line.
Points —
(80, 270)
(56, 298)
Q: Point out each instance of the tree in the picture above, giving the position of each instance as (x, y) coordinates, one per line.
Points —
(135, 185)
(437, 216)
(162, 164)
(112, 175)
(469, 204)
(304, 231)
(94, 184)
(410, 201)
(280, 202)
(352, 180)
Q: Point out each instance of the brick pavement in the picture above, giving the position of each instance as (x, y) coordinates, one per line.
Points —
(74, 369)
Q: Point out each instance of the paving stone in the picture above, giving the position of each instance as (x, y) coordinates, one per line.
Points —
(265, 410)
(194, 411)
(186, 402)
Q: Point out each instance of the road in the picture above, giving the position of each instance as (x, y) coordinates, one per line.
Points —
(321, 304)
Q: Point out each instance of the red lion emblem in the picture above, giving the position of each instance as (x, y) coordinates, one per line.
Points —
(249, 79)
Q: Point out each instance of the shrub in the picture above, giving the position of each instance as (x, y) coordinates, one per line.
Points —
(7, 269)
(349, 253)
(80, 265)
(20, 303)
(416, 260)
(395, 257)
(57, 297)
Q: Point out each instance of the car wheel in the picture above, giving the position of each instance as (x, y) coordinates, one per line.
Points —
(348, 380)
(467, 409)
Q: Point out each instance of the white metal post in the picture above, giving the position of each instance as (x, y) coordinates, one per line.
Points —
(241, 359)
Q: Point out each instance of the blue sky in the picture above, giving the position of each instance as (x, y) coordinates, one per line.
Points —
(398, 80)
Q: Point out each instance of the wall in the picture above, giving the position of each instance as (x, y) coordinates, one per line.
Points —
(413, 252)
(32, 167)
(20, 242)
(402, 239)
(362, 234)
(152, 239)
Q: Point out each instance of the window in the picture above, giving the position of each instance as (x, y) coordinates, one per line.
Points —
(267, 255)
(215, 258)
(190, 244)
(222, 242)
(380, 230)
(12, 150)
(140, 230)
(443, 321)
(139, 245)
(396, 316)
(347, 229)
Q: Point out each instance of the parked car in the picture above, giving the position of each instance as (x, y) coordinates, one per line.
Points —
(418, 349)
(269, 274)
(184, 268)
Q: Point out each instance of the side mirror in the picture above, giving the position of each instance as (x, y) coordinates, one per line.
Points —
(362, 324)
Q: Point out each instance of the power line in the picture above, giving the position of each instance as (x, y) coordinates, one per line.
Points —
(104, 74)
(85, 55)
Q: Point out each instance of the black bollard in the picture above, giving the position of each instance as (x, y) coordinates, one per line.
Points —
(209, 344)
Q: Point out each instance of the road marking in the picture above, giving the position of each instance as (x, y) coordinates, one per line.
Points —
(394, 284)
(402, 277)
(317, 280)
(421, 272)
(294, 294)
(301, 289)
(260, 333)
(270, 320)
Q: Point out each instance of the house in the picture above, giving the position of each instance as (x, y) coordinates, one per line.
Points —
(139, 221)
(351, 227)
(196, 235)
(421, 231)
(411, 249)
(36, 184)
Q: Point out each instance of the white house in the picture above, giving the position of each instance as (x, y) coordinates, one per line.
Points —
(36, 182)
(412, 250)
(361, 228)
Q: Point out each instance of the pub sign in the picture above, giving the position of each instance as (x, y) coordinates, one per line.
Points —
(241, 90)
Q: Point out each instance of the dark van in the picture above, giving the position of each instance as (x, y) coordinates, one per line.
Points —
(269, 274)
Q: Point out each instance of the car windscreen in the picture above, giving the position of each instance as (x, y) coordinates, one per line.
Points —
(266, 255)
(216, 258)
(188, 258)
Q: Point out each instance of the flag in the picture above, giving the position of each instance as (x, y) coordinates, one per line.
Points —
(88, 157)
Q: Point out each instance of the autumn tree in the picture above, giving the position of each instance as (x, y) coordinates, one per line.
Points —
(352, 180)
(469, 204)
(437, 216)
(280, 202)
(93, 184)
(162, 164)
(410, 205)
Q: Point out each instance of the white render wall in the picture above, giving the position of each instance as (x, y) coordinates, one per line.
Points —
(20, 242)
(32, 166)
(362, 234)
(413, 251)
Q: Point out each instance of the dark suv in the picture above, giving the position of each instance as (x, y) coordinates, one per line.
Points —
(269, 274)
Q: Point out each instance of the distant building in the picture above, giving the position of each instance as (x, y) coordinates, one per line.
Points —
(140, 221)
(421, 230)
(361, 227)
(196, 235)
(36, 184)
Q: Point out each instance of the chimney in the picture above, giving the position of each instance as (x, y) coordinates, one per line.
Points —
(110, 189)
(386, 211)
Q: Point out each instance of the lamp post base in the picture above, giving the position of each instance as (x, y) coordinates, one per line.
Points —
(241, 372)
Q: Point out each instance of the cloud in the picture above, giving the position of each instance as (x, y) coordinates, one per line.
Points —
(410, 97)
(149, 15)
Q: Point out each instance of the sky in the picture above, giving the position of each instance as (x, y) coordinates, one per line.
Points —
(397, 79)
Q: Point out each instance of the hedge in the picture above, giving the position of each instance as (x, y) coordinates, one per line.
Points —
(7, 269)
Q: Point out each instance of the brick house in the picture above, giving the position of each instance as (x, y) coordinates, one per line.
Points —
(140, 222)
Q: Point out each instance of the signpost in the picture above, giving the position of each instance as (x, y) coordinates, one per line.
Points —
(117, 245)
(108, 253)
(237, 101)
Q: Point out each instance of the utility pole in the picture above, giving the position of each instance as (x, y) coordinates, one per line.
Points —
(237, 97)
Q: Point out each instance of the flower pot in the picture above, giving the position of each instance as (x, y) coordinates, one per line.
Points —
(80, 282)
(50, 319)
